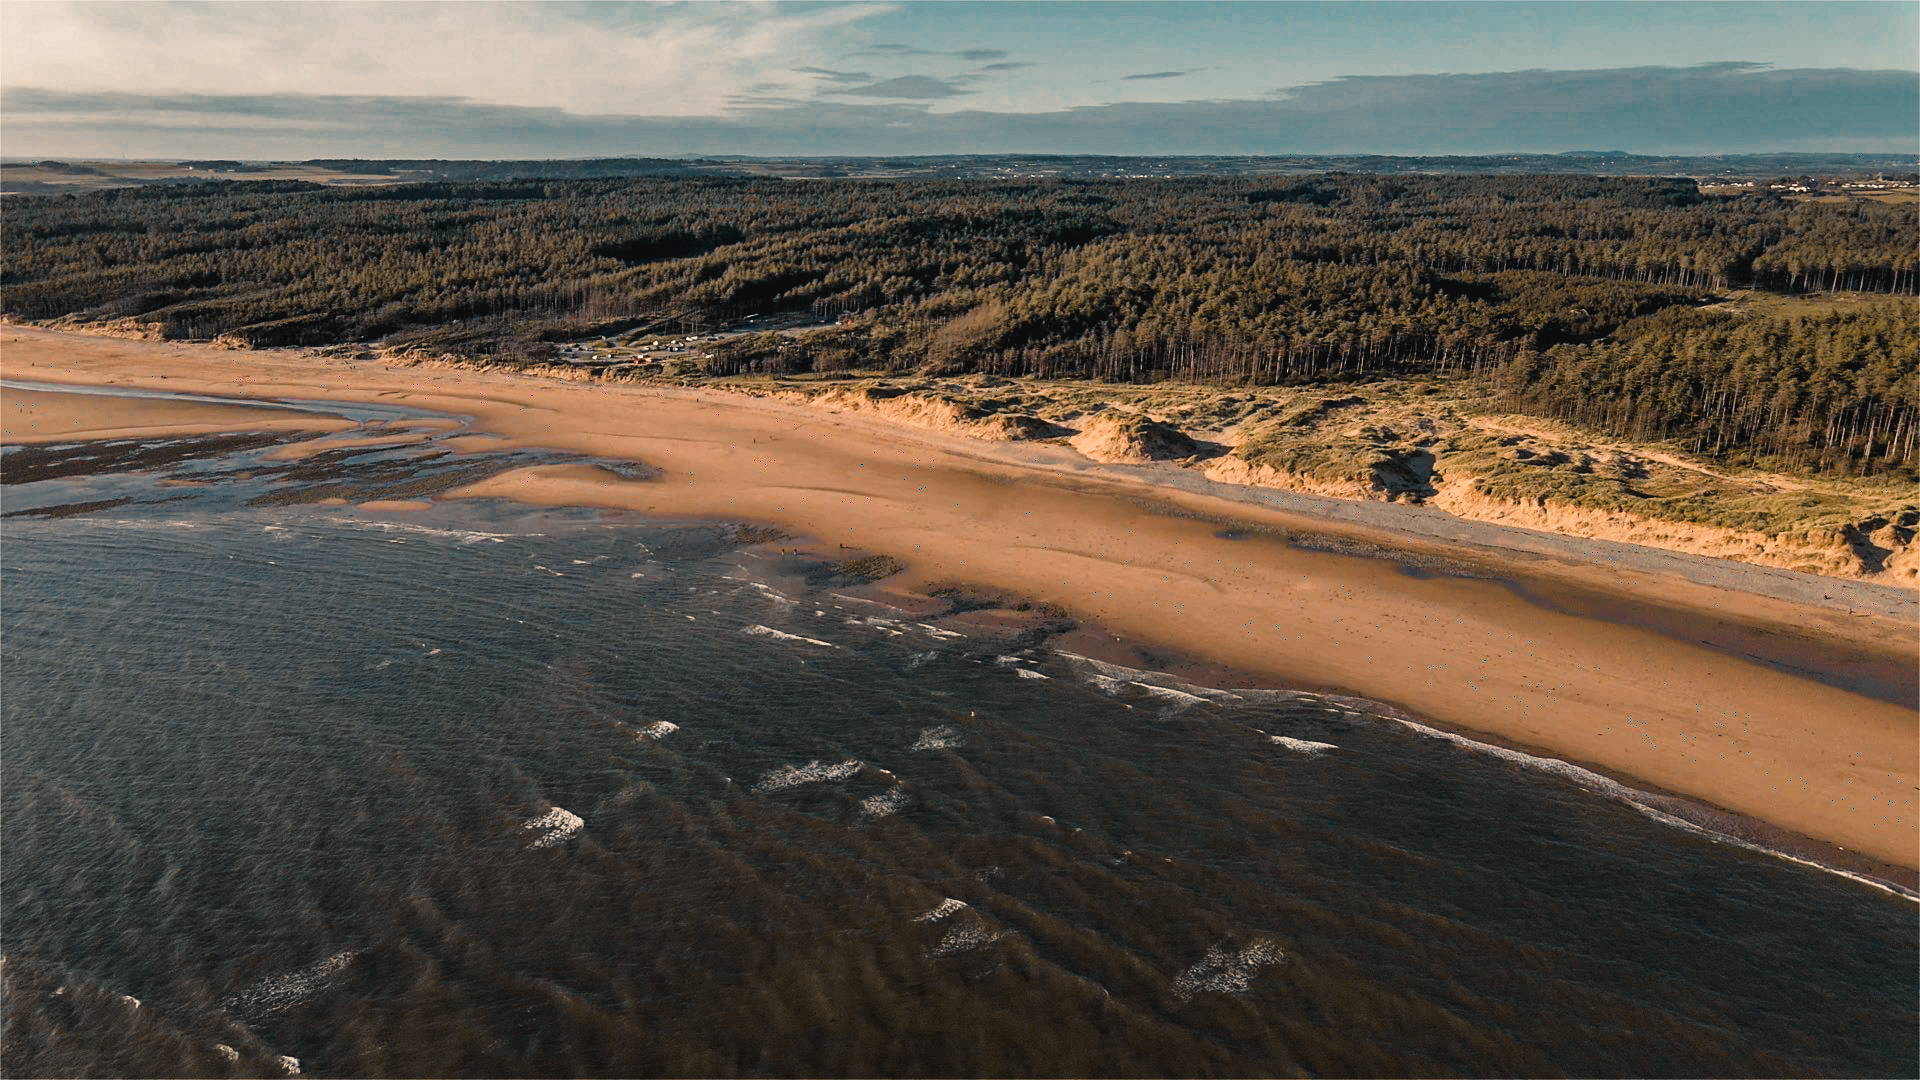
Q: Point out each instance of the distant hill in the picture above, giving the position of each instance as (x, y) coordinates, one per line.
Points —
(563, 169)
(50, 178)
(1578, 162)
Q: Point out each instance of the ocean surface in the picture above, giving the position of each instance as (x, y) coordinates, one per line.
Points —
(488, 791)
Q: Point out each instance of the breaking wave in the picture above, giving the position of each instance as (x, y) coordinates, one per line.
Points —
(556, 826)
(941, 910)
(1302, 746)
(813, 772)
(936, 738)
(1226, 971)
(757, 630)
(277, 993)
(885, 804)
(463, 536)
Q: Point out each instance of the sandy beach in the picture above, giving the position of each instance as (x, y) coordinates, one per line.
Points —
(1778, 696)
(37, 417)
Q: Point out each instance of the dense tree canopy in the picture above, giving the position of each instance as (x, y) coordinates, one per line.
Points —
(1579, 291)
(1839, 388)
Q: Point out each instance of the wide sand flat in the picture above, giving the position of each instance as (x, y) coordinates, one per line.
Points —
(1641, 674)
(33, 416)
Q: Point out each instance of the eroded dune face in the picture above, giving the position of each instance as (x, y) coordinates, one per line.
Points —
(1469, 467)
(1880, 549)
(1131, 438)
(937, 412)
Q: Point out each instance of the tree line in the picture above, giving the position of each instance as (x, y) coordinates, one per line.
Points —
(1552, 284)
(1837, 390)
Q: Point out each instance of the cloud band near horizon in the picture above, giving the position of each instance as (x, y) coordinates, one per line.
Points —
(1732, 107)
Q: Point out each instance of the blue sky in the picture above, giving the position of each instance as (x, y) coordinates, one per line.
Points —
(1240, 50)
(564, 79)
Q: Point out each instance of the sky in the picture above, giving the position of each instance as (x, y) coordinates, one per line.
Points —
(535, 80)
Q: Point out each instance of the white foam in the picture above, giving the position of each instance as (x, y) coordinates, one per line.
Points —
(1719, 837)
(1593, 781)
(943, 635)
(659, 729)
(941, 910)
(1178, 696)
(769, 632)
(1226, 971)
(1302, 746)
(936, 738)
(964, 936)
(556, 826)
(463, 536)
(288, 1064)
(1585, 778)
(137, 523)
(873, 622)
(864, 600)
(1111, 678)
(813, 772)
(766, 590)
(1029, 673)
(885, 804)
(227, 1053)
(129, 1001)
(773, 594)
(277, 992)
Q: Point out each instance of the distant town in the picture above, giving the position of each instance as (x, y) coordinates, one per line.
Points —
(1869, 175)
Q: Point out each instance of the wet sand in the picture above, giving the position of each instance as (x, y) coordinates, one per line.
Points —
(302, 450)
(32, 416)
(1790, 703)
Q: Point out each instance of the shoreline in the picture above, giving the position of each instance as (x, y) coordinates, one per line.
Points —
(1124, 658)
(1634, 673)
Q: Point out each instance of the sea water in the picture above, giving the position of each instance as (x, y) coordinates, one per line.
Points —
(490, 791)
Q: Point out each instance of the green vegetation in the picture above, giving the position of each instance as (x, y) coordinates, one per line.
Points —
(1420, 438)
(1836, 388)
(759, 534)
(871, 567)
(1586, 298)
(965, 598)
(1376, 458)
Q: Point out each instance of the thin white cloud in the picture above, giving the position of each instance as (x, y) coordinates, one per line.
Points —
(919, 87)
(659, 60)
(1715, 108)
(895, 49)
